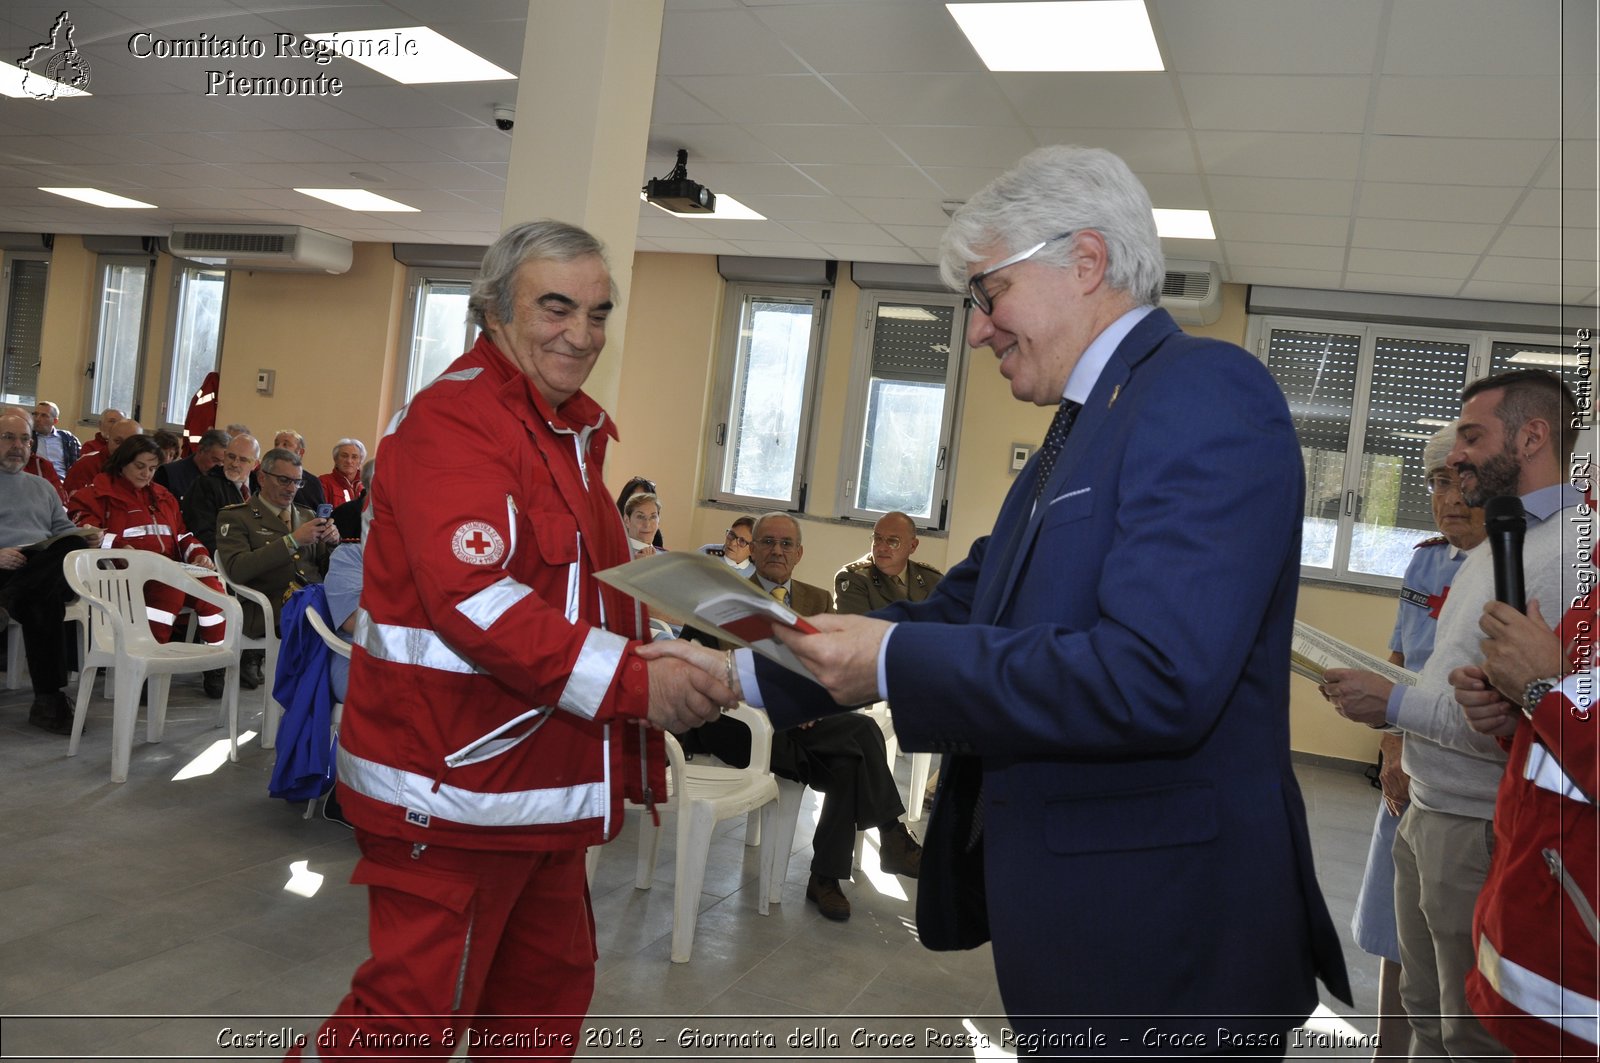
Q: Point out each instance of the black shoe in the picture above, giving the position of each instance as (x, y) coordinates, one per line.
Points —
(898, 851)
(251, 665)
(215, 681)
(52, 712)
(830, 899)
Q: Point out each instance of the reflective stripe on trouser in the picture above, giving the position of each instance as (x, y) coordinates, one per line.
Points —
(495, 947)
(1540, 997)
(162, 604)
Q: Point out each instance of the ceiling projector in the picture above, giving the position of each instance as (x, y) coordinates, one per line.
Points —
(675, 192)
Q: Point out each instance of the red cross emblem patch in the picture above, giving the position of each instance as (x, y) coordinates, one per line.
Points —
(477, 543)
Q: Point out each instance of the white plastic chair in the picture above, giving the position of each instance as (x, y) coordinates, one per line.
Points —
(703, 795)
(342, 648)
(271, 711)
(111, 582)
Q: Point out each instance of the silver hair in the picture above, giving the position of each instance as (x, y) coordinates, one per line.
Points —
(755, 529)
(1054, 190)
(299, 439)
(350, 443)
(240, 430)
(1435, 450)
(494, 289)
(277, 454)
(55, 411)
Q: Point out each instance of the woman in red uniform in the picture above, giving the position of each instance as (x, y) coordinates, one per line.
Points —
(138, 514)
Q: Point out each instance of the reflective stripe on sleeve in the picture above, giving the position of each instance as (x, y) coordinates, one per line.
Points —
(416, 793)
(1544, 771)
(1540, 997)
(489, 604)
(591, 677)
(409, 645)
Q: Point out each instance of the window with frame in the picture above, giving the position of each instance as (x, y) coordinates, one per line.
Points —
(1365, 399)
(903, 397)
(441, 327)
(117, 362)
(199, 306)
(771, 350)
(26, 277)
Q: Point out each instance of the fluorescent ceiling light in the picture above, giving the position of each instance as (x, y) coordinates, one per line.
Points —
(1544, 359)
(41, 86)
(1077, 35)
(355, 199)
(99, 198)
(1184, 224)
(727, 209)
(411, 55)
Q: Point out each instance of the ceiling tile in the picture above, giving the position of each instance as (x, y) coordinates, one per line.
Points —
(1574, 168)
(1269, 36)
(1090, 100)
(1528, 108)
(1292, 256)
(871, 180)
(740, 180)
(804, 208)
(895, 211)
(722, 42)
(856, 145)
(673, 106)
(1289, 278)
(840, 232)
(1327, 231)
(1144, 150)
(1514, 292)
(1535, 271)
(718, 142)
(743, 231)
(1544, 206)
(1400, 235)
(1316, 155)
(1191, 250)
(1388, 282)
(1176, 191)
(783, 250)
(1281, 195)
(922, 237)
(1410, 263)
(960, 145)
(1528, 241)
(1446, 37)
(873, 253)
(1287, 104)
(1458, 160)
(910, 36)
(1435, 202)
(924, 99)
(749, 100)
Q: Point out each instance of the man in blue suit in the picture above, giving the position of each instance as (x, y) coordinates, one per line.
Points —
(1108, 670)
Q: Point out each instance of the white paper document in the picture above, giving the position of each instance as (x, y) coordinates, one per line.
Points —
(1314, 651)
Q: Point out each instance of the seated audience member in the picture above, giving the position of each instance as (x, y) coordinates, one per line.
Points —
(343, 588)
(92, 463)
(35, 464)
(888, 573)
(272, 545)
(33, 584)
(347, 517)
(641, 514)
(108, 420)
(1537, 973)
(735, 547)
(55, 445)
(310, 493)
(343, 484)
(225, 484)
(844, 756)
(136, 513)
(178, 476)
(638, 483)
(171, 446)
(238, 430)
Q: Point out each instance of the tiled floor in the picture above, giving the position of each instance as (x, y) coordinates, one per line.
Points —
(124, 907)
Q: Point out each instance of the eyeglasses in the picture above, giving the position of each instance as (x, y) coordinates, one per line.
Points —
(287, 481)
(737, 540)
(7, 437)
(1441, 482)
(893, 542)
(770, 543)
(980, 295)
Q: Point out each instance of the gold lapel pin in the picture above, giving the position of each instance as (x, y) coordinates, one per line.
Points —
(1114, 393)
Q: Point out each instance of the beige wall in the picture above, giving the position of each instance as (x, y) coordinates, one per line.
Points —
(334, 343)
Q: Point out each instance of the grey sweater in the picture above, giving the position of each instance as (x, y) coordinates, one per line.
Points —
(30, 509)
(1453, 768)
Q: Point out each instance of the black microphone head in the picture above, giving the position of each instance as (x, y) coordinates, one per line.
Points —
(1504, 513)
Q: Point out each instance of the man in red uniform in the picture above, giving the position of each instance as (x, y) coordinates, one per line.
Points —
(498, 711)
(1538, 964)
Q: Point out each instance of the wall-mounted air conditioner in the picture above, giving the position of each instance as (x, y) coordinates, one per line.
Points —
(284, 248)
(1192, 292)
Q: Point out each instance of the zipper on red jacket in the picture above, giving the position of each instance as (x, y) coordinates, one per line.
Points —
(644, 776)
(1558, 870)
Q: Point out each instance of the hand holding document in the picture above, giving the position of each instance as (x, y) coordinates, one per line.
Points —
(714, 597)
(1313, 652)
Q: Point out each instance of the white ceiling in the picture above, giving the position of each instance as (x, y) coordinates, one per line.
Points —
(1432, 147)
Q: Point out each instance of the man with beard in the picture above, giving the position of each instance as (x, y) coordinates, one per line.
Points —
(1513, 439)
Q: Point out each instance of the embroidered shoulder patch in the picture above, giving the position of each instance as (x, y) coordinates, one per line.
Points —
(477, 543)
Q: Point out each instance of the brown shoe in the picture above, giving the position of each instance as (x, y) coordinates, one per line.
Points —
(831, 901)
(898, 851)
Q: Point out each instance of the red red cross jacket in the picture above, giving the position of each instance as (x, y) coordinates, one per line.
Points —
(135, 519)
(1537, 979)
(496, 700)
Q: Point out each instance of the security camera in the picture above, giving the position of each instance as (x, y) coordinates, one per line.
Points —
(504, 117)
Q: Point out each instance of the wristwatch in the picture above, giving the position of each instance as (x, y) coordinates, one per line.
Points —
(1535, 691)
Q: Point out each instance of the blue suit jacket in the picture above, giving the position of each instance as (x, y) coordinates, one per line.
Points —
(1114, 662)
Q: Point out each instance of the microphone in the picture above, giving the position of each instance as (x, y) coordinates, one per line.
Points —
(1507, 523)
